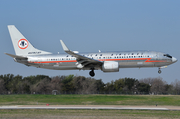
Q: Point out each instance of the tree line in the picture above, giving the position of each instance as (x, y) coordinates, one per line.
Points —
(42, 84)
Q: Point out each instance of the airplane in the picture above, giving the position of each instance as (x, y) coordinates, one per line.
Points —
(73, 60)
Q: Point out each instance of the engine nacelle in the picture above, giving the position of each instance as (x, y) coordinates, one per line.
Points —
(110, 67)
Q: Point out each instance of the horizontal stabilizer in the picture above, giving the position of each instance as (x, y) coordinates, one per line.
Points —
(16, 56)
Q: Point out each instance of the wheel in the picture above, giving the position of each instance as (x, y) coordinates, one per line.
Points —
(159, 71)
(91, 73)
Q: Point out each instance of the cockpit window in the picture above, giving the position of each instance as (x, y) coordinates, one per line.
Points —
(167, 55)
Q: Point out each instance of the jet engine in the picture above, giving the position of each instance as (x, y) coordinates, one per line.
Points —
(110, 67)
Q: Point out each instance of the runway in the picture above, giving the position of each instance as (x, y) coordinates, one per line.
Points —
(91, 107)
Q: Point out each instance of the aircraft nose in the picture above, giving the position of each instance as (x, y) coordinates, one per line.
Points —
(174, 59)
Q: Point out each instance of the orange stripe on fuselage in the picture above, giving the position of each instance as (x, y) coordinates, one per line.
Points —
(55, 61)
(147, 60)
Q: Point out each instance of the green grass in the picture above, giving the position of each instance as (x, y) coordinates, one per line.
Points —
(88, 114)
(171, 100)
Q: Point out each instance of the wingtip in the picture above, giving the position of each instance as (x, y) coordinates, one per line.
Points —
(10, 26)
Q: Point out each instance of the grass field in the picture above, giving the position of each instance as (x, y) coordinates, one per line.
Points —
(170, 100)
(132, 100)
(88, 114)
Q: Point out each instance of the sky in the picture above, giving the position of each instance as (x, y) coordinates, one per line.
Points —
(92, 25)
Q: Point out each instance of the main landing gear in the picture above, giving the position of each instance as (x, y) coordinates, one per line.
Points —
(159, 71)
(91, 73)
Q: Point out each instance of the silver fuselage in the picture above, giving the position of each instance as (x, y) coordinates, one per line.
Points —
(129, 59)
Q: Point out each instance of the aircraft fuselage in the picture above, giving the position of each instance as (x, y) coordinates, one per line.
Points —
(130, 59)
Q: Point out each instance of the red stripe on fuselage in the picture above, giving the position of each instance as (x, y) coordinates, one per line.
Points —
(147, 60)
(55, 61)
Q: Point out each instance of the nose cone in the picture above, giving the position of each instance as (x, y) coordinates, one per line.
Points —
(174, 59)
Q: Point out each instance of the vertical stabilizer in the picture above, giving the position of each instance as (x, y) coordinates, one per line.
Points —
(21, 45)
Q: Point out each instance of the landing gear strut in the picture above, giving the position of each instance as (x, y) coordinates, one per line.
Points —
(91, 73)
(159, 71)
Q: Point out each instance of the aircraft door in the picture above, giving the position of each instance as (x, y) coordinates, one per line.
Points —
(157, 56)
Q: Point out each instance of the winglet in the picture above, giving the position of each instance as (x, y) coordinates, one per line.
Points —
(64, 46)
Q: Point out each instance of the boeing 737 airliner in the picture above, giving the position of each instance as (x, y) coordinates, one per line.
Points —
(73, 60)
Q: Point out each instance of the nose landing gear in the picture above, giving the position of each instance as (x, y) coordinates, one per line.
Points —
(159, 71)
(91, 73)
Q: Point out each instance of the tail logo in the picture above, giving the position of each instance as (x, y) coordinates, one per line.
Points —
(23, 43)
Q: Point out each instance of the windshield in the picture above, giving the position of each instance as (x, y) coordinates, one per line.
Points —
(167, 55)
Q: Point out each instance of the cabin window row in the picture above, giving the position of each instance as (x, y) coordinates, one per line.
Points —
(115, 54)
(61, 59)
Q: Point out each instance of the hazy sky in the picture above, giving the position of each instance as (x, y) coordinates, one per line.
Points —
(92, 25)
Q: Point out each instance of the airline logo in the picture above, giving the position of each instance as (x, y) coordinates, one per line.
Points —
(23, 43)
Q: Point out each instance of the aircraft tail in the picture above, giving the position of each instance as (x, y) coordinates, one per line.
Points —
(21, 45)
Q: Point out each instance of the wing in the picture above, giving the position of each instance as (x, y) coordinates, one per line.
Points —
(81, 59)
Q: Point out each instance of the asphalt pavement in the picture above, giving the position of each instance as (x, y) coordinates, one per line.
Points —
(86, 107)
